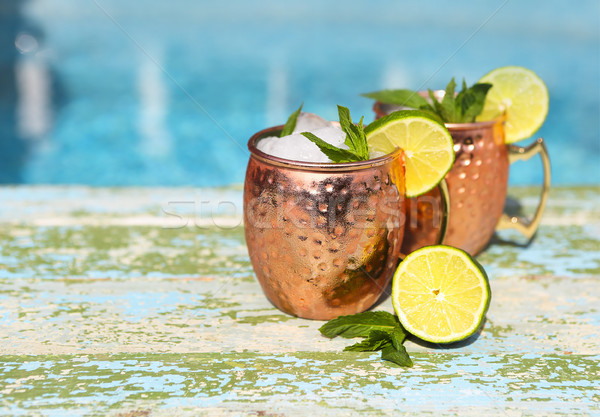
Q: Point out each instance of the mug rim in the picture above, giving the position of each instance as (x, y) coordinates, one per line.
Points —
(313, 166)
(454, 126)
(476, 125)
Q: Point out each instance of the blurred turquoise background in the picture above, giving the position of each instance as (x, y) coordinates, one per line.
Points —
(149, 92)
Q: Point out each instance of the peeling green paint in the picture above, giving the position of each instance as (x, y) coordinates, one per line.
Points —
(102, 377)
(77, 250)
(267, 318)
(498, 331)
(137, 320)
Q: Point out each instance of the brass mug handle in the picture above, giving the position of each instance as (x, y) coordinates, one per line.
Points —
(445, 213)
(517, 153)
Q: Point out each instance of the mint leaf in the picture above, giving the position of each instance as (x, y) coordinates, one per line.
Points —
(359, 325)
(464, 99)
(398, 336)
(402, 97)
(377, 340)
(397, 356)
(430, 111)
(345, 124)
(290, 125)
(381, 330)
(463, 107)
(472, 101)
(334, 153)
(356, 140)
(437, 106)
(449, 102)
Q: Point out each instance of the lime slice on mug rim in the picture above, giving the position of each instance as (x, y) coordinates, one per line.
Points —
(521, 95)
(427, 144)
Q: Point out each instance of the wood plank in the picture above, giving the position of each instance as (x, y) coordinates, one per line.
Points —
(109, 307)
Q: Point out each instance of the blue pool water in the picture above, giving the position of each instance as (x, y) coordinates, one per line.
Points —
(149, 92)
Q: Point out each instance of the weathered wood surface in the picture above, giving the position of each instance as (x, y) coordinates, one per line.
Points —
(142, 302)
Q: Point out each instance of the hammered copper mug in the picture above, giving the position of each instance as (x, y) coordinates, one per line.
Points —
(478, 183)
(324, 239)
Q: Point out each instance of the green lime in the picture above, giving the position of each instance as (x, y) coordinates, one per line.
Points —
(428, 147)
(440, 294)
(521, 95)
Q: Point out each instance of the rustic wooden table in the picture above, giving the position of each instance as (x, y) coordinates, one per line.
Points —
(142, 302)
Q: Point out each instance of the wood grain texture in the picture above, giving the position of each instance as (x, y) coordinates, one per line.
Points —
(142, 302)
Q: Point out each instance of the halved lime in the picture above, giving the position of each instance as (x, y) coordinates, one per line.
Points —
(427, 145)
(440, 294)
(521, 95)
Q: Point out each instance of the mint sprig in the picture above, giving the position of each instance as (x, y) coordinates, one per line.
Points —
(381, 331)
(359, 325)
(398, 356)
(400, 97)
(290, 125)
(356, 140)
(333, 152)
(376, 340)
(463, 107)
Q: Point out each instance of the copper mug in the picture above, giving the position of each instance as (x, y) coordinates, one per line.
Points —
(324, 239)
(477, 183)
